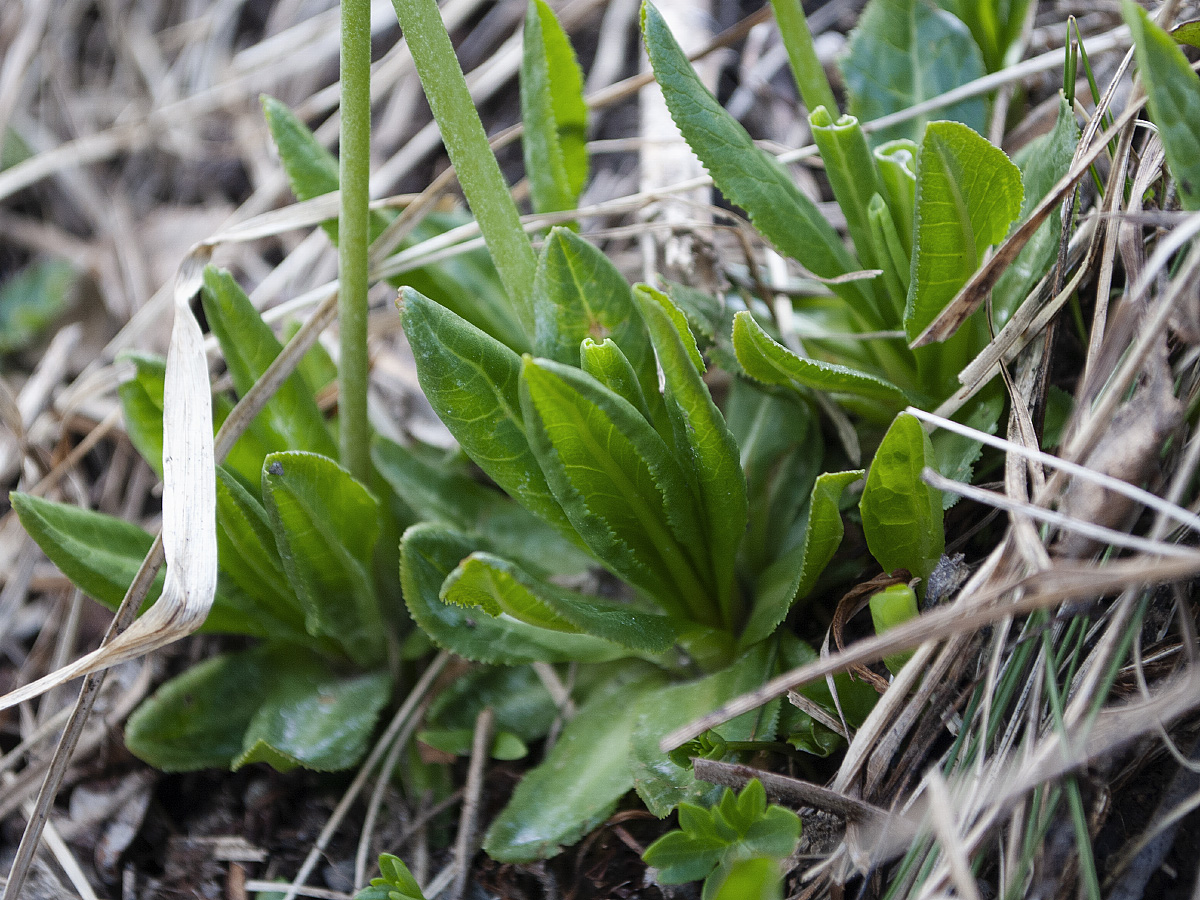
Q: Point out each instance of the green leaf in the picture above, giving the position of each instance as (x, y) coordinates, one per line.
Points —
(904, 52)
(897, 165)
(968, 194)
(142, 406)
(894, 605)
(579, 783)
(428, 553)
(311, 169)
(608, 365)
(802, 55)
(781, 452)
(1048, 159)
(553, 112)
(766, 360)
(497, 587)
(757, 878)
(325, 525)
(795, 573)
(249, 347)
(31, 300)
(702, 440)
(619, 485)
(471, 380)
(901, 514)
(101, 554)
(856, 699)
(850, 168)
(748, 176)
(396, 883)
(436, 493)
(276, 703)
(660, 783)
(578, 293)
(1187, 33)
(315, 719)
(248, 554)
(1173, 92)
(686, 854)
(459, 741)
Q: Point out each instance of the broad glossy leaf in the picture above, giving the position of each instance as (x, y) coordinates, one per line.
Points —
(578, 293)
(894, 605)
(901, 514)
(765, 359)
(794, 574)
(497, 587)
(1047, 160)
(278, 704)
(748, 176)
(661, 783)
(703, 441)
(314, 718)
(471, 380)
(1173, 92)
(31, 300)
(428, 553)
(757, 878)
(325, 525)
(249, 347)
(553, 112)
(579, 783)
(619, 485)
(904, 52)
(436, 493)
(968, 194)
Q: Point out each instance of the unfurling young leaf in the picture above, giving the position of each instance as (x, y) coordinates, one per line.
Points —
(395, 882)
(553, 112)
(893, 606)
(901, 514)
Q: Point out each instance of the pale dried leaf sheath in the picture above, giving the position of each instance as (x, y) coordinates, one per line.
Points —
(189, 531)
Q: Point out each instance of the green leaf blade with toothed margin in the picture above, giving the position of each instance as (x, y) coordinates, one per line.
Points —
(582, 778)
(428, 554)
(901, 514)
(325, 525)
(497, 587)
(617, 482)
(904, 52)
(471, 380)
(765, 359)
(748, 176)
(968, 194)
(703, 441)
(1173, 92)
(553, 112)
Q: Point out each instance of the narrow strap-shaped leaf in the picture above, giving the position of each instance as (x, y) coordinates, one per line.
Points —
(802, 55)
(889, 253)
(497, 587)
(325, 525)
(429, 553)
(794, 574)
(748, 176)
(903, 52)
(901, 514)
(703, 442)
(968, 194)
(553, 112)
(768, 361)
(619, 484)
(141, 405)
(471, 380)
(896, 162)
(249, 347)
(1173, 92)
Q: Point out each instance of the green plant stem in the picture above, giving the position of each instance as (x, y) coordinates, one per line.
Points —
(353, 241)
(467, 144)
(810, 76)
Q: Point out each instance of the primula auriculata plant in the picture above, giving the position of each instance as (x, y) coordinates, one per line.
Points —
(584, 401)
